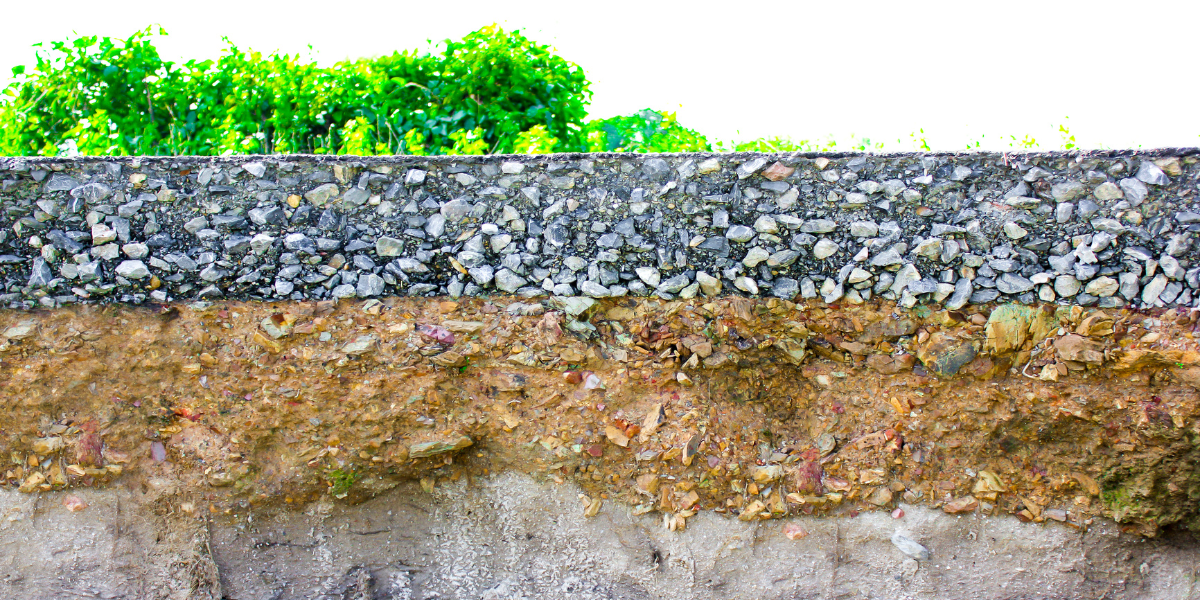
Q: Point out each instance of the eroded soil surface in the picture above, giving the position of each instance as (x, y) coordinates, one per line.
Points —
(751, 409)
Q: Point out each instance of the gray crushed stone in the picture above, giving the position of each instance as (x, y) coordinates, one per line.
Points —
(1104, 228)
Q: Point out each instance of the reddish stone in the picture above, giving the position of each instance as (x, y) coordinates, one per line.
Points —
(890, 365)
(1077, 348)
(778, 171)
(809, 476)
(982, 367)
(961, 505)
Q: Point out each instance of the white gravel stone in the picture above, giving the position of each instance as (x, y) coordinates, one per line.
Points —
(858, 275)
(910, 547)
(1108, 191)
(256, 169)
(1129, 285)
(746, 284)
(322, 194)
(1066, 191)
(711, 286)
(136, 250)
(754, 256)
(1066, 286)
(929, 248)
(388, 246)
(783, 258)
(824, 248)
(1170, 267)
(1011, 283)
(864, 229)
(739, 233)
(369, 285)
(1153, 289)
(261, 243)
(904, 277)
(766, 224)
(1014, 231)
(574, 263)
(1135, 191)
(133, 269)
(593, 289)
(507, 281)
(1151, 174)
(649, 275)
(102, 234)
(1102, 287)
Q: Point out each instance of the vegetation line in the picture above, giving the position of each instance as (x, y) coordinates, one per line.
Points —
(494, 91)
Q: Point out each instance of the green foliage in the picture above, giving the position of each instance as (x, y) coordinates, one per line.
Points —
(413, 143)
(103, 96)
(1068, 139)
(1025, 143)
(778, 144)
(358, 139)
(468, 142)
(918, 143)
(494, 91)
(340, 481)
(644, 131)
(864, 144)
(537, 140)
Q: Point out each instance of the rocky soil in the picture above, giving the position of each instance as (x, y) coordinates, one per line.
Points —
(733, 410)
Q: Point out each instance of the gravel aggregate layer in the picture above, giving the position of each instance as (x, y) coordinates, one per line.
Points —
(1106, 229)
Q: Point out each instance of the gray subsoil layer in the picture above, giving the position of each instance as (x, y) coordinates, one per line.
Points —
(510, 536)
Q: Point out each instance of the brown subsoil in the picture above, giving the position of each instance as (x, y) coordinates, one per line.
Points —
(754, 409)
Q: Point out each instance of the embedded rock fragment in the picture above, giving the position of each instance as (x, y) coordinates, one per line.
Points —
(427, 449)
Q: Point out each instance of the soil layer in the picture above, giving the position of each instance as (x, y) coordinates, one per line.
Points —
(750, 409)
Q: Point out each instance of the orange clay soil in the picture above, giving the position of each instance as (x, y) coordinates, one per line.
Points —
(751, 408)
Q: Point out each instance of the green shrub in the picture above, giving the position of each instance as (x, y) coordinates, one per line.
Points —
(644, 131)
(102, 96)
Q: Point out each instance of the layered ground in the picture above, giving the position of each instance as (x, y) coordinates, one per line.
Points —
(716, 376)
(729, 411)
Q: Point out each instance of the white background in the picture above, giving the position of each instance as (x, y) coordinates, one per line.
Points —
(971, 70)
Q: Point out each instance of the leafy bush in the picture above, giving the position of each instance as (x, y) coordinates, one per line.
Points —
(485, 93)
(644, 131)
(494, 91)
(537, 140)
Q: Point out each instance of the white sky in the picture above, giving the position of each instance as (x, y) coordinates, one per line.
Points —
(1121, 71)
